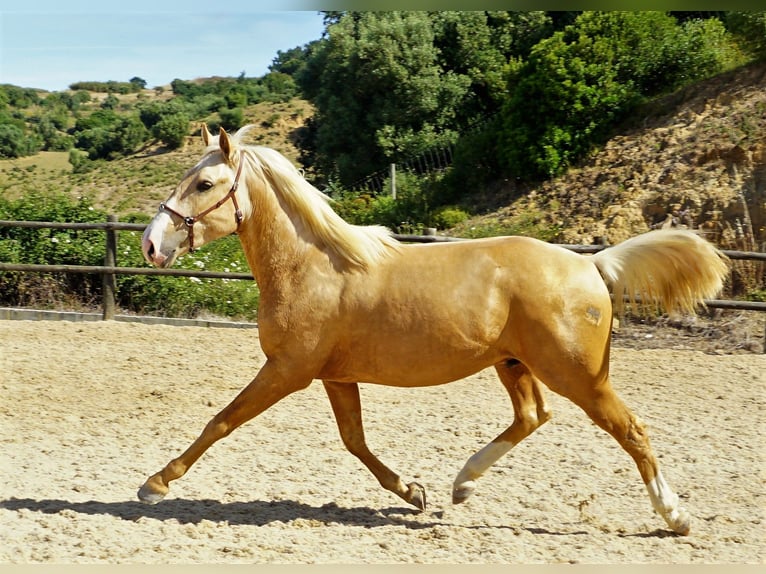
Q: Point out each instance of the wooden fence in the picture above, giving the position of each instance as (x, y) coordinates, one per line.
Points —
(110, 269)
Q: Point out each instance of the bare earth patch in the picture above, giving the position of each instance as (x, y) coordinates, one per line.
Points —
(89, 410)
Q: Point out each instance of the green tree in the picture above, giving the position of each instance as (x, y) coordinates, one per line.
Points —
(479, 45)
(172, 130)
(13, 142)
(750, 30)
(579, 82)
(279, 86)
(137, 83)
(231, 119)
(379, 91)
(293, 61)
(106, 135)
(17, 97)
(51, 129)
(110, 102)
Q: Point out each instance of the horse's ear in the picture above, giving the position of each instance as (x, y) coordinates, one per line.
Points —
(206, 135)
(225, 142)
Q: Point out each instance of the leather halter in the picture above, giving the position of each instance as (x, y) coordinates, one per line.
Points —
(189, 221)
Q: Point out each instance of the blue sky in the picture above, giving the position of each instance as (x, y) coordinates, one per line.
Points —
(52, 44)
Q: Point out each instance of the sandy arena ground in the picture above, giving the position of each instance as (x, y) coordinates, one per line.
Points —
(89, 410)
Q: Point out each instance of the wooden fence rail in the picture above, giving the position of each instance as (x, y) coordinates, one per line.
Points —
(110, 268)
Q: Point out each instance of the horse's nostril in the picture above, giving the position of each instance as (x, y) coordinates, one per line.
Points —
(147, 246)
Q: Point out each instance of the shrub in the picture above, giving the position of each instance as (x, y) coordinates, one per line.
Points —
(231, 119)
(108, 135)
(580, 81)
(172, 130)
(750, 30)
(49, 246)
(13, 143)
(409, 211)
(448, 216)
(172, 296)
(528, 224)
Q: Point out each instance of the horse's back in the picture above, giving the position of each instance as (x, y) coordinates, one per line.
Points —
(464, 306)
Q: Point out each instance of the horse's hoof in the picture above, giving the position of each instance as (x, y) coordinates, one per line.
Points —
(463, 491)
(416, 495)
(150, 494)
(682, 524)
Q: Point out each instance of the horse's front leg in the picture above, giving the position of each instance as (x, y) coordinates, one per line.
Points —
(344, 398)
(267, 388)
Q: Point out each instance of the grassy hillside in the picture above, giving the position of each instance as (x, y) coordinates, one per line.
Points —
(135, 184)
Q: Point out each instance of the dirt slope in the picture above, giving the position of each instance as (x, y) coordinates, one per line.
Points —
(696, 157)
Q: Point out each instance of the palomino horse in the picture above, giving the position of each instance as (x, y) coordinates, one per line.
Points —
(349, 304)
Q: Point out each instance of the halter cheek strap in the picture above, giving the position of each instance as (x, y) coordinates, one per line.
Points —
(189, 221)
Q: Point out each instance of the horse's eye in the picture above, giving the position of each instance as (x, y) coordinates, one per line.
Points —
(204, 185)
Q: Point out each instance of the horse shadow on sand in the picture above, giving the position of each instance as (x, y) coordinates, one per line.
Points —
(251, 513)
(264, 512)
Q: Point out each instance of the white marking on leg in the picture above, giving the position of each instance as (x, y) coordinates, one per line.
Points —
(476, 466)
(665, 502)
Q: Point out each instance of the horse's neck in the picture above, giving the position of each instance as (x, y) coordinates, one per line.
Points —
(274, 247)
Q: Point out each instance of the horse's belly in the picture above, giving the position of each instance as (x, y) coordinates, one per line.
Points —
(417, 366)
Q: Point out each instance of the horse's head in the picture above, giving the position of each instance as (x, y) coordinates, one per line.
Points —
(206, 204)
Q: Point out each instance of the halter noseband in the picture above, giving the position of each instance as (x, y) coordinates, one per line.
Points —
(189, 221)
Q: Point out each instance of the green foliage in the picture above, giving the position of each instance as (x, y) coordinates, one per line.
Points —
(49, 246)
(388, 86)
(279, 87)
(79, 161)
(231, 119)
(293, 61)
(137, 83)
(110, 87)
(53, 138)
(172, 130)
(169, 122)
(16, 97)
(12, 141)
(110, 129)
(188, 297)
(528, 224)
(174, 296)
(379, 91)
(237, 92)
(106, 134)
(448, 216)
(70, 101)
(411, 211)
(750, 29)
(578, 83)
(15, 142)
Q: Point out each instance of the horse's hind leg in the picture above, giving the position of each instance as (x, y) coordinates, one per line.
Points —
(606, 409)
(530, 411)
(344, 398)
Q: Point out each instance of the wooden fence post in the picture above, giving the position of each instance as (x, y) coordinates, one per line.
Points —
(109, 279)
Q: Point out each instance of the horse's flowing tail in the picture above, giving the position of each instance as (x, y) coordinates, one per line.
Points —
(672, 268)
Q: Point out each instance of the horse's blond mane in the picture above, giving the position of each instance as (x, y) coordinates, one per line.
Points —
(359, 246)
